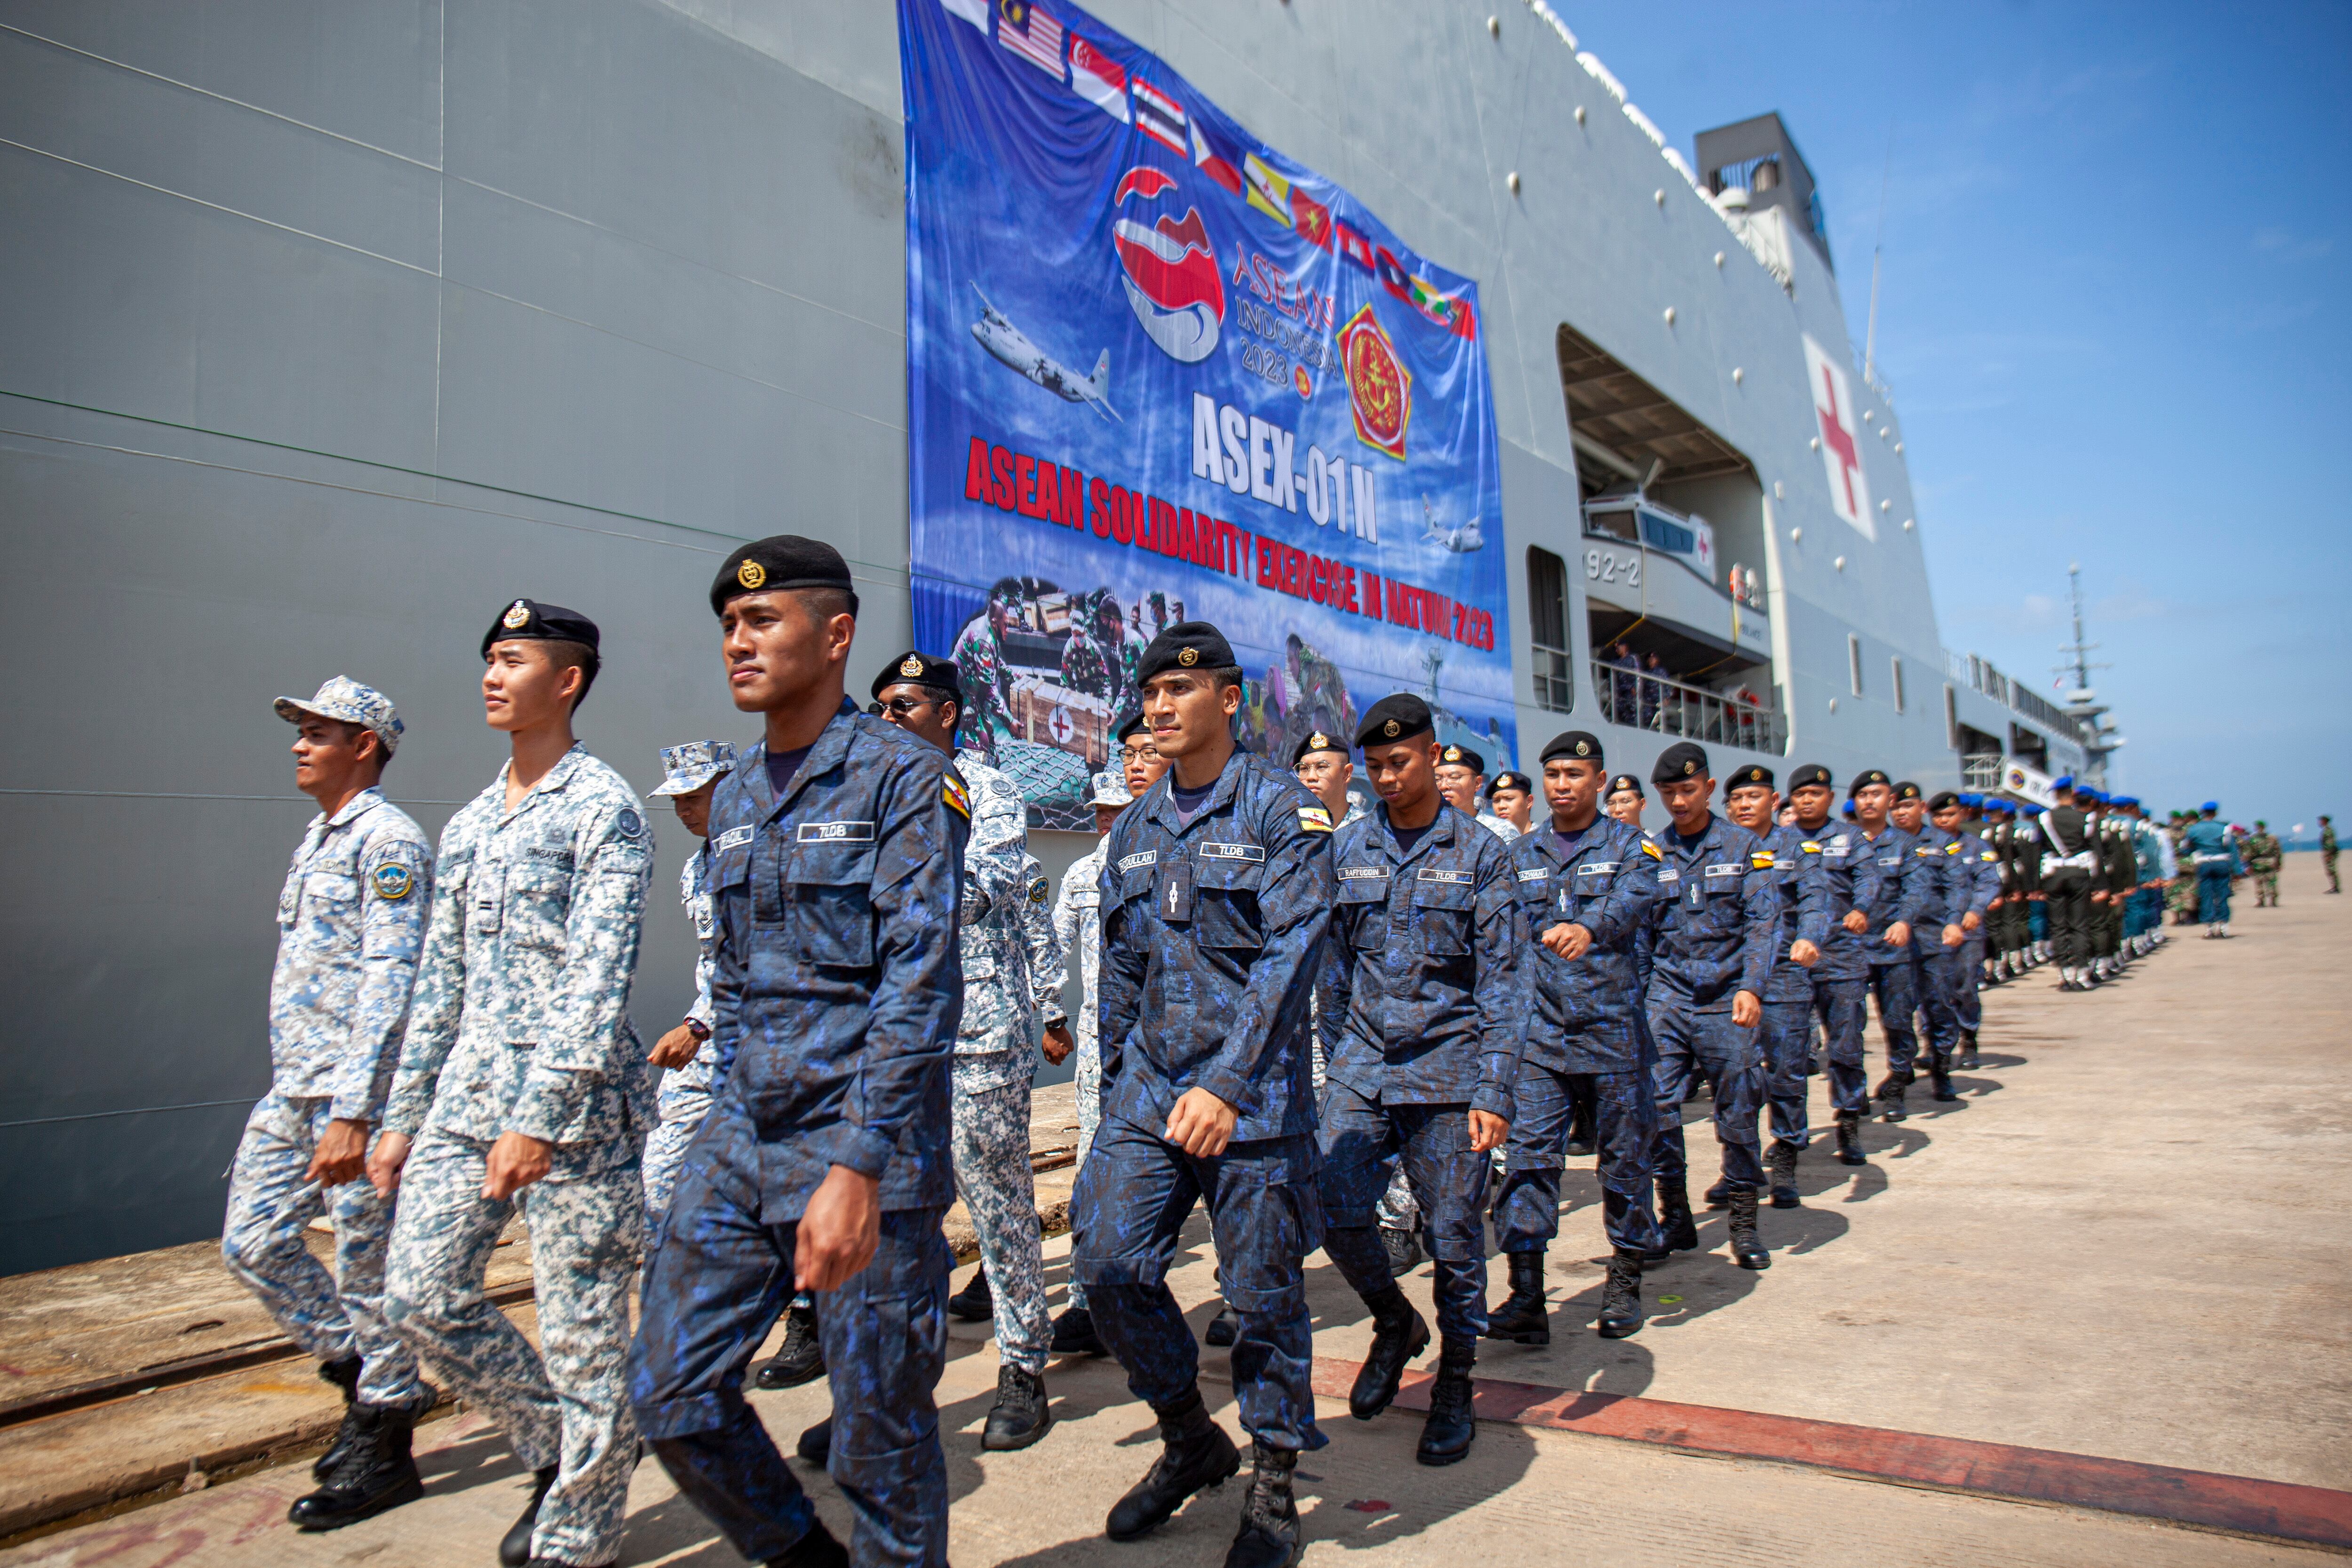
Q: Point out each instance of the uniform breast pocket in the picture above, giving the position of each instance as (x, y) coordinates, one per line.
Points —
(484, 889)
(330, 899)
(1363, 912)
(1443, 910)
(1226, 892)
(830, 890)
(539, 904)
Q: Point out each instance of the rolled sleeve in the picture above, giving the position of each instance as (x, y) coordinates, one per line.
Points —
(392, 941)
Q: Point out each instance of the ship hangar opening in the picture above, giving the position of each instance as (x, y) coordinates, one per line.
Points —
(1671, 548)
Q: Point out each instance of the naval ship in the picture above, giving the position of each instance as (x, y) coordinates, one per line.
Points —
(325, 333)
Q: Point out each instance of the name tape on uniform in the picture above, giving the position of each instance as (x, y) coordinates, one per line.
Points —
(1214, 850)
(1434, 874)
(1596, 867)
(1537, 875)
(836, 833)
(1138, 862)
(1728, 870)
(733, 838)
(1363, 874)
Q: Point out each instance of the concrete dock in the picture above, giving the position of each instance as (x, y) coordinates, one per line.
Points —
(2097, 1311)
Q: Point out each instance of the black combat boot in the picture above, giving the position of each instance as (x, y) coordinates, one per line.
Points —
(1403, 1247)
(1718, 1197)
(377, 1473)
(1074, 1333)
(1268, 1536)
(1621, 1298)
(802, 1358)
(514, 1547)
(1781, 1161)
(1890, 1095)
(1223, 1329)
(1522, 1316)
(973, 1303)
(1849, 1139)
(1747, 1249)
(1399, 1334)
(1020, 1415)
(1677, 1231)
(1446, 1436)
(1195, 1455)
(817, 1549)
(1941, 1079)
(345, 1376)
(816, 1444)
(1968, 1062)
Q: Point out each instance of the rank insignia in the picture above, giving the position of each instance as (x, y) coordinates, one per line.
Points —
(518, 617)
(391, 881)
(752, 574)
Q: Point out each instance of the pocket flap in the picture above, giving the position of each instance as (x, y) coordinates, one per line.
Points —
(1228, 875)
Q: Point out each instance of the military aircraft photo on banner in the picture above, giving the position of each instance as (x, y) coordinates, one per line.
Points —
(1001, 338)
(1459, 538)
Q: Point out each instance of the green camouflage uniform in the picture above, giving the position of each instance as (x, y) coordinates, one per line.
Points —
(2264, 856)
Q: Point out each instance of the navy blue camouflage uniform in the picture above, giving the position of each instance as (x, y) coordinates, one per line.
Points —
(1714, 931)
(837, 996)
(1583, 1031)
(1789, 993)
(1213, 942)
(1841, 980)
(1888, 884)
(1423, 970)
(1946, 890)
(1984, 862)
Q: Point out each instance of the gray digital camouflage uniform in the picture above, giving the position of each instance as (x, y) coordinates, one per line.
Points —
(351, 921)
(1077, 925)
(520, 1023)
(995, 1058)
(685, 1098)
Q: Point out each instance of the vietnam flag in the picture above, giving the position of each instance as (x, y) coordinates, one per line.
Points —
(1310, 217)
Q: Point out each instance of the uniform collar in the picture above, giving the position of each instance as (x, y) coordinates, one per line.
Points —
(1440, 831)
(557, 777)
(1593, 832)
(1160, 801)
(366, 800)
(1671, 840)
(831, 746)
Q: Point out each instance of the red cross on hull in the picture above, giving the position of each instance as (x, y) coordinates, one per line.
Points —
(1841, 441)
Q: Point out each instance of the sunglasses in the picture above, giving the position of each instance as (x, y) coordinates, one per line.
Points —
(899, 707)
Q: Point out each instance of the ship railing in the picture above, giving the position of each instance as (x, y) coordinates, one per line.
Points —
(2014, 695)
(1642, 700)
(1980, 771)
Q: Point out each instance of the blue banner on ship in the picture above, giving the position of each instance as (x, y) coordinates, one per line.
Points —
(1156, 372)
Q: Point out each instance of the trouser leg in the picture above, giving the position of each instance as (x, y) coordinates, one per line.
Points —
(1969, 1003)
(1361, 1143)
(1674, 1074)
(1126, 1212)
(442, 1233)
(1788, 1059)
(1398, 1209)
(1582, 1107)
(1844, 1013)
(1088, 1057)
(685, 1102)
(1527, 1206)
(1897, 996)
(1449, 1185)
(994, 1180)
(587, 1236)
(271, 1205)
(1733, 1060)
(1936, 976)
(1625, 1132)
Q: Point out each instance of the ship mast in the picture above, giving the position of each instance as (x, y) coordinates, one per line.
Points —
(2098, 738)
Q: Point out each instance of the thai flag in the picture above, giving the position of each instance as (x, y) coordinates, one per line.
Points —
(1161, 117)
(1030, 33)
(1098, 79)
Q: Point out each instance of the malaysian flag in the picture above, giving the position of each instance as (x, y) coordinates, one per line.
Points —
(1030, 33)
(1160, 116)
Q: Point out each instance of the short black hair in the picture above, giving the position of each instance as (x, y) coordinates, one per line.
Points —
(566, 654)
(1225, 675)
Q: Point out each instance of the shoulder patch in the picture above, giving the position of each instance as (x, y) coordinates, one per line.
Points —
(1760, 859)
(1037, 893)
(1315, 819)
(1651, 850)
(391, 881)
(955, 796)
(630, 824)
(1811, 848)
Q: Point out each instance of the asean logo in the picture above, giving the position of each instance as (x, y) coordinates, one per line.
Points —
(1380, 388)
(1169, 269)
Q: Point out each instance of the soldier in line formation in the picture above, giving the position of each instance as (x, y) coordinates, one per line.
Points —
(1299, 1012)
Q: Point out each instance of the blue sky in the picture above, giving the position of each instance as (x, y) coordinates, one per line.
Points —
(2114, 317)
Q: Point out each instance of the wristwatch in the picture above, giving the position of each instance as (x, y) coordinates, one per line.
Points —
(698, 1028)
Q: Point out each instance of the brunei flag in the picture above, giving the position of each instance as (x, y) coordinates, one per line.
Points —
(1266, 191)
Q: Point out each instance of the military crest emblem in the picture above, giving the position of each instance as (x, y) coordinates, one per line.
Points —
(752, 574)
(1189, 656)
(1380, 388)
(518, 617)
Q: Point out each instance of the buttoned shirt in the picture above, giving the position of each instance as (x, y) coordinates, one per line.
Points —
(1948, 883)
(1886, 881)
(1423, 959)
(1715, 927)
(1212, 933)
(1803, 882)
(1078, 926)
(1604, 877)
(1000, 1011)
(1984, 864)
(2209, 846)
(839, 986)
(351, 925)
(522, 1017)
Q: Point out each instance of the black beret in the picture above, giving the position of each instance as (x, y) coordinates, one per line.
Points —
(1942, 800)
(1748, 773)
(1317, 742)
(1683, 760)
(779, 561)
(921, 670)
(1187, 645)
(1907, 790)
(1132, 724)
(1811, 773)
(1504, 781)
(1622, 783)
(1463, 757)
(1867, 777)
(1578, 744)
(1397, 717)
(528, 620)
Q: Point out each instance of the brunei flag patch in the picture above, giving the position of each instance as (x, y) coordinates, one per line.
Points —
(958, 799)
(1651, 850)
(1760, 860)
(1314, 819)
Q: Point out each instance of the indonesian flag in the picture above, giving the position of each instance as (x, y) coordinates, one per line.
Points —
(1029, 32)
(1098, 79)
(1160, 116)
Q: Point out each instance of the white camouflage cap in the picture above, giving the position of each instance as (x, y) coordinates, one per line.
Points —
(688, 768)
(1110, 789)
(347, 701)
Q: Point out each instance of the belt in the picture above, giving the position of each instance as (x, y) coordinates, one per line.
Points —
(2081, 862)
(2202, 858)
